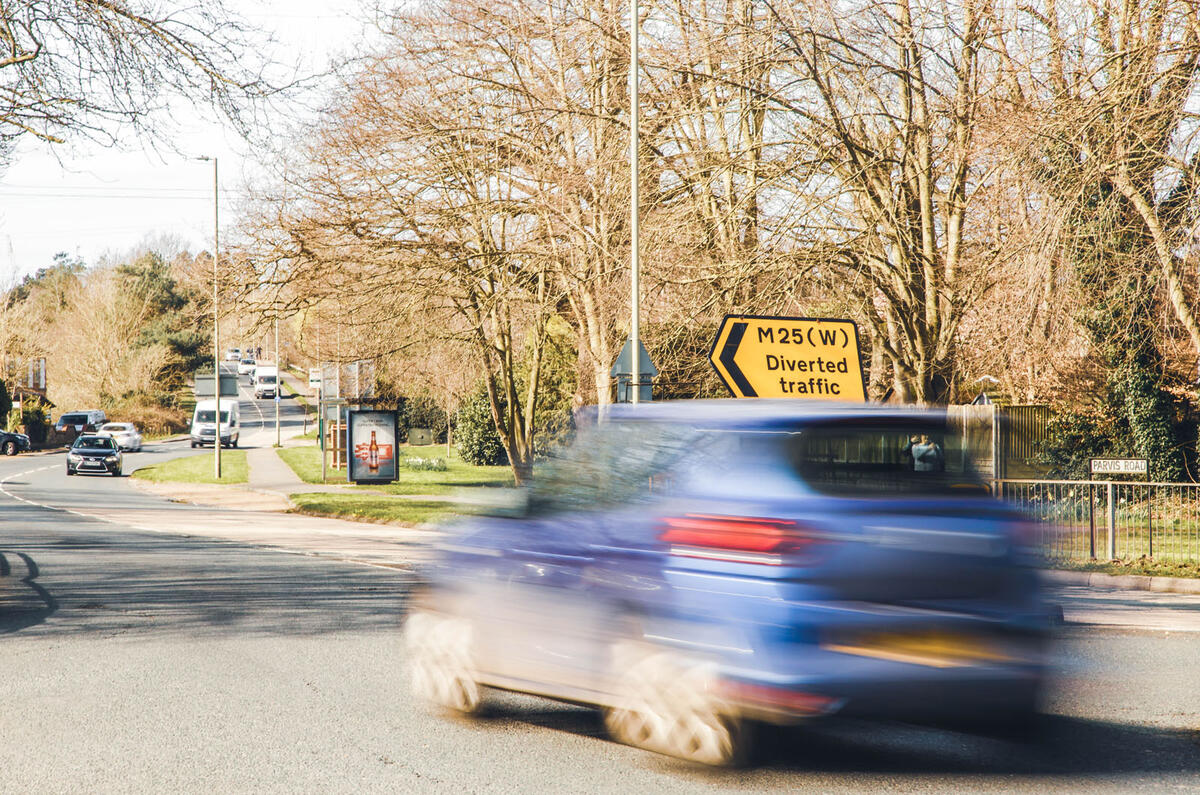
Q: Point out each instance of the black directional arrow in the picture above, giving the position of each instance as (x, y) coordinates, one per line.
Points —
(732, 342)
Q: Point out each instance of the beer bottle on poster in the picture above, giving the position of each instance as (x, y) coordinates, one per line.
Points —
(373, 454)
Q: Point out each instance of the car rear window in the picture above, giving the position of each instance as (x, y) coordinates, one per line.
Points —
(611, 464)
(73, 419)
(894, 458)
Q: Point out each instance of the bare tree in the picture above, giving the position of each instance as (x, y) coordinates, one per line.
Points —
(404, 212)
(887, 100)
(91, 67)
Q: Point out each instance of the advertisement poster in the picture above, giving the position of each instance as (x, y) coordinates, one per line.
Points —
(372, 443)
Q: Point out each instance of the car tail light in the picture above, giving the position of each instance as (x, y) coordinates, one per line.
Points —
(742, 539)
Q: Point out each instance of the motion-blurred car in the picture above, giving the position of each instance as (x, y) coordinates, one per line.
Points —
(245, 366)
(12, 442)
(696, 569)
(94, 453)
(80, 421)
(125, 434)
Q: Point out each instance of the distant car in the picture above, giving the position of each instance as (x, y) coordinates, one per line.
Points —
(94, 453)
(233, 354)
(124, 433)
(12, 442)
(246, 366)
(264, 379)
(80, 421)
(695, 569)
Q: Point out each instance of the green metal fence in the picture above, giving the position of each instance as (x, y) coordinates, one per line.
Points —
(1083, 520)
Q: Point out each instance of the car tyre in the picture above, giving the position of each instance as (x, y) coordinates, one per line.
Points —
(440, 664)
(10, 447)
(70, 472)
(193, 445)
(671, 704)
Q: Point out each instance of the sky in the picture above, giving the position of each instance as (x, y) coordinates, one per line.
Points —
(90, 201)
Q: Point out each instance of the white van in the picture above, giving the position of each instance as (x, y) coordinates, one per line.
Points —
(264, 380)
(204, 427)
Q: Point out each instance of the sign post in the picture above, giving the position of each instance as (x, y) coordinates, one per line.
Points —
(1121, 466)
(794, 357)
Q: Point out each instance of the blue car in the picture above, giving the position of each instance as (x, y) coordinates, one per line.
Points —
(699, 569)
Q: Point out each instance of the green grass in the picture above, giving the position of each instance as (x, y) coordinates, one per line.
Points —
(371, 507)
(300, 399)
(198, 469)
(306, 463)
(1140, 566)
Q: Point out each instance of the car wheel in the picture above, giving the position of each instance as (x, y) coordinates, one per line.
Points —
(440, 666)
(70, 471)
(10, 447)
(235, 442)
(669, 703)
(116, 473)
(193, 445)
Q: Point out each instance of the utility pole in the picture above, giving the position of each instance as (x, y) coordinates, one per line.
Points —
(216, 330)
(634, 113)
(278, 379)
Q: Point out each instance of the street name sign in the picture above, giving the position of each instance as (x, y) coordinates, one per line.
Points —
(1120, 466)
(797, 357)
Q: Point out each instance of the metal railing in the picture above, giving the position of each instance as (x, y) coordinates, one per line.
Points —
(1082, 520)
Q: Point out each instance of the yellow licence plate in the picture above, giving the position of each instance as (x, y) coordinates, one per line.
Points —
(934, 649)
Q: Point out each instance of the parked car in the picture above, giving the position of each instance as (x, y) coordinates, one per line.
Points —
(94, 453)
(692, 570)
(80, 421)
(246, 366)
(125, 434)
(233, 354)
(12, 442)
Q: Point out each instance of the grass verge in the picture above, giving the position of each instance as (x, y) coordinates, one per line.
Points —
(306, 463)
(1141, 566)
(301, 400)
(198, 469)
(371, 508)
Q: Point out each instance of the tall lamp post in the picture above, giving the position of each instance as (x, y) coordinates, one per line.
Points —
(278, 378)
(635, 298)
(216, 332)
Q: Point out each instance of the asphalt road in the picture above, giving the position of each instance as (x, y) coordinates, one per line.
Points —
(152, 662)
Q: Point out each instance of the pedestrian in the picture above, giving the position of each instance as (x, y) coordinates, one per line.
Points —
(927, 455)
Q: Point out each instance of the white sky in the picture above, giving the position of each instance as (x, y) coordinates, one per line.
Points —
(88, 200)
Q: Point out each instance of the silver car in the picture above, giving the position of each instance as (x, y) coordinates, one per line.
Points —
(125, 434)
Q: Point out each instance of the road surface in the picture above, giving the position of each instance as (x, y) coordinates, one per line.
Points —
(157, 661)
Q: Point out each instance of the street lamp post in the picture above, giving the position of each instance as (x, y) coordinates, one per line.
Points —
(635, 302)
(278, 379)
(216, 330)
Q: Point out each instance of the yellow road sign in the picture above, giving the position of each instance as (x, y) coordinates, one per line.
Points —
(801, 357)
